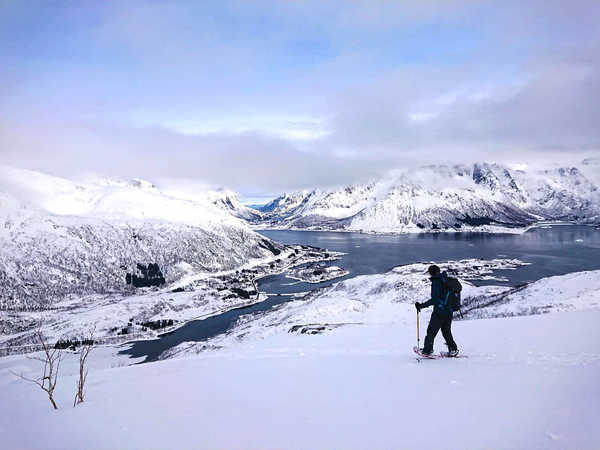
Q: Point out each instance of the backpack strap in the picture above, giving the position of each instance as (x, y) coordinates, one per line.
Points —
(446, 292)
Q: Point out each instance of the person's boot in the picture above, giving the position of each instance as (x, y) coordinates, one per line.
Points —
(453, 352)
(425, 351)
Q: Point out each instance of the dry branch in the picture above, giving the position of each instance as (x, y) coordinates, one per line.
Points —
(50, 359)
(84, 352)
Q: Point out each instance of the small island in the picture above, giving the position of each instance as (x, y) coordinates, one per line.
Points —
(317, 272)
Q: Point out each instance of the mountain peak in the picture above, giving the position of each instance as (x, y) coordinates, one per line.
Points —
(442, 197)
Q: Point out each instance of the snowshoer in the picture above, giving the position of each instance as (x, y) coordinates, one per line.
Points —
(441, 318)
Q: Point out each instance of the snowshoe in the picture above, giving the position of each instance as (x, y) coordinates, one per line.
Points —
(419, 351)
(452, 354)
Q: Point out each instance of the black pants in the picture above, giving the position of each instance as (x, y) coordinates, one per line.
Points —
(437, 321)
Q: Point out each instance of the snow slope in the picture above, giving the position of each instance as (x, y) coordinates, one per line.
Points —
(574, 291)
(60, 238)
(228, 201)
(389, 298)
(462, 197)
(528, 382)
(107, 198)
(195, 295)
(591, 169)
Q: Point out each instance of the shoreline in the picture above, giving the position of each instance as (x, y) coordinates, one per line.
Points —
(122, 340)
(201, 277)
(495, 229)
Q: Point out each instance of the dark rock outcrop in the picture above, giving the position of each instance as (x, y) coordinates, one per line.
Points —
(314, 328)
(145, 276)
(267, 244)
(243, 293)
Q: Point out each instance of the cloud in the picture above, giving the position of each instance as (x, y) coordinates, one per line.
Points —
(555, 108)
(269, 96)
(245, 161)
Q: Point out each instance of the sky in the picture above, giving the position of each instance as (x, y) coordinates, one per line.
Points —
(263, 97)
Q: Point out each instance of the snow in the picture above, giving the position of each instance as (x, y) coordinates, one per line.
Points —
(107, 198)
(352, 381)
(317, 273)
(195, 295)
(60, 238)
(373, 299)
(529, 382)
(580, 290)
(445, 198)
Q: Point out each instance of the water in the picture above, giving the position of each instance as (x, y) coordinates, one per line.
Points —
(551, 251)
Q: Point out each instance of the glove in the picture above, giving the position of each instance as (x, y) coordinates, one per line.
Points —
(418, 306)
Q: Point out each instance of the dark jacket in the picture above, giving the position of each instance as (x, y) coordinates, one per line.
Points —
(438, 293)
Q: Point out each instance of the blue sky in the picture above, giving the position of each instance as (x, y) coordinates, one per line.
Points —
(295, 94)
(156, 62)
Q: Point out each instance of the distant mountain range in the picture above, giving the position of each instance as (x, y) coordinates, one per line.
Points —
(480, 196)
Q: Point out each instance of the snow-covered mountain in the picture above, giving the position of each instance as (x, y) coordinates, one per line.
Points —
(58, 237)
(228, 201)
(442, 198)
(591, 169)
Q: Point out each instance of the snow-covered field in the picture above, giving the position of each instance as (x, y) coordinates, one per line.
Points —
(528, 381)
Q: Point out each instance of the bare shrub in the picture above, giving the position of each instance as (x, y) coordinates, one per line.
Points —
(50, 359)
(84, 352)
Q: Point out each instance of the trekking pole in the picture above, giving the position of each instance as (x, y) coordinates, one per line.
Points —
(418, 334)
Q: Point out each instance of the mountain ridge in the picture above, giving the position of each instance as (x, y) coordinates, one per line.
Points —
(482, 196)
(60, 238)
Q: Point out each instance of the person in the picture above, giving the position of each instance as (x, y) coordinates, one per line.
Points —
(441, 317)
